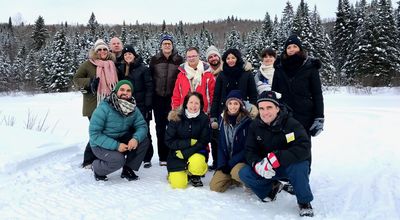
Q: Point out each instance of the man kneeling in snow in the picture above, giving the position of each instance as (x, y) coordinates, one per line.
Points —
(117, 129)
(277, 147)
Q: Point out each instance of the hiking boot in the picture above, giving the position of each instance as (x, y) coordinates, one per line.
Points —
(87, 165)
(306, 210)
(276, 188)
(288, 188)
(128, 173)
(212, 167)
(163, 163)
(99, 178)
(147, 164)
(195, 181)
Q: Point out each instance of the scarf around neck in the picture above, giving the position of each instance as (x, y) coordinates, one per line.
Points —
(125, 107)
(268, 72)
(106, 72)
(191, 115)
(194, 75)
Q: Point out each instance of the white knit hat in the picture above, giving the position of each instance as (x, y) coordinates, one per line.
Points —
(212, 50)
(100, 44)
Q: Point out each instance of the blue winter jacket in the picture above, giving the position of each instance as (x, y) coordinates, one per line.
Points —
(236, 155)
(107, 125)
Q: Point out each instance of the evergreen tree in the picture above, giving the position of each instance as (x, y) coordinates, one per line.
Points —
(266, 28)
(124, 34)
(18, 68)
(93, 25)
(342, 35)
(253, 46)
(286, 24)
(276, 35)
(39, 34)
(303, 29)
(5, 72)
(233, 40)
(30, 72)
(323, 50)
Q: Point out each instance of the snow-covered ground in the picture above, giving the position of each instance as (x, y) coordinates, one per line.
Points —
(355, 170)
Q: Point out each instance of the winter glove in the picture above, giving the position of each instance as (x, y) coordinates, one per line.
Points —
(265, 167)
(317, 126)
(178, 154)
(193, 142)
(94, 84)
(252, 109)
(225, 169)
(214, 123)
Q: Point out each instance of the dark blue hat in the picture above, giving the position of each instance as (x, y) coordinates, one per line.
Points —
(236, 95)
(166, 37)
(129, 48)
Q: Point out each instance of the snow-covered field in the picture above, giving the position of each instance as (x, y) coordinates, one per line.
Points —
(355, 170)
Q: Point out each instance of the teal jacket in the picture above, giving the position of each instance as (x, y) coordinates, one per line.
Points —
(107, 125)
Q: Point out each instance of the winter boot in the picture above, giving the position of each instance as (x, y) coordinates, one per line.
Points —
(288, 188)
(147, 164)
(128, 173)
(98, 177)
(306, 210)
(195, 181)
(276, 188)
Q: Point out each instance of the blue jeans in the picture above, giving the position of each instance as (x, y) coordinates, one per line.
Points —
(297, 174)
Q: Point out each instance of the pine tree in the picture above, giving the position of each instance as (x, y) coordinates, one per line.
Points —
(5, 72)
(286, 24)
(18, 68)
(253, 46)
(342, 35)
(93, 25)
(233, 40)
(302, 27)
(124, 34)
(39, 34)
(266, 28)
(323, 50)
(30, 72)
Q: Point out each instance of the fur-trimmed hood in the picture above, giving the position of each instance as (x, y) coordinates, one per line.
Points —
(175, 114)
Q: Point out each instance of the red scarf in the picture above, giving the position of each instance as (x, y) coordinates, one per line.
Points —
(106, 72)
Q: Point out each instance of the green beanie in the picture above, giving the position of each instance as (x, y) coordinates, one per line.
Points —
(122, 82)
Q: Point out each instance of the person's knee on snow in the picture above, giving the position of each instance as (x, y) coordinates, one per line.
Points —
(220, 182)
(235, 172)
(178, 180)
(197, 164)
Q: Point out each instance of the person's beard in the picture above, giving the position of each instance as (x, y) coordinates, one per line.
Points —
(215, 63)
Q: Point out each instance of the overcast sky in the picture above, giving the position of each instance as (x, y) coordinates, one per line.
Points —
(150, 11)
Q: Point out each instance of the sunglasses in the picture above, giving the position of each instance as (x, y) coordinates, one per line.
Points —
(102, 49)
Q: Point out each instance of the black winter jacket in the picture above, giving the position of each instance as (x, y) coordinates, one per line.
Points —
(246, 85)
(301, 92)
(164, 72)
(140, 77)
(286, 137)
(179, 132)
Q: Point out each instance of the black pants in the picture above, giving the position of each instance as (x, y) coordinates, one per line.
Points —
(214, 146)
(150, 150)
(88, 156)
(161, 107)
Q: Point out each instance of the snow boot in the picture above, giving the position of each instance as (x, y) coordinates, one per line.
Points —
(147, 164)
(276, 188)
(128, 173)
(195, 181)
(306, 210)
(288, 188)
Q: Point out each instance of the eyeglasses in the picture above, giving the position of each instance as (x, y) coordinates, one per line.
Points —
(192, 57)
(102, 49)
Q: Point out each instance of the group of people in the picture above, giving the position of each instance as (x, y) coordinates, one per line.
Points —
(258, 126)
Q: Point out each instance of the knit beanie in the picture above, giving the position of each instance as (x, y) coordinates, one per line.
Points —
(166, 37)
(100, 44)
(130, 49)
(293, 39)
(212, 50)
(235, 95)
(269, 96)
(122, 82)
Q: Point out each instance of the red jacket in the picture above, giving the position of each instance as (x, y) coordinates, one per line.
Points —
(182, 88)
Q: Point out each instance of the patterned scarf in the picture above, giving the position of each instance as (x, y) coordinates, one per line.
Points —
(194, 75)
(125, 107)
(106, 72)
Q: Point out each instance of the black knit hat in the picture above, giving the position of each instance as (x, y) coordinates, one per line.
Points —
(235, 95)
(269, 96)
(293, 39)
(166, 37)
(129, 48)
